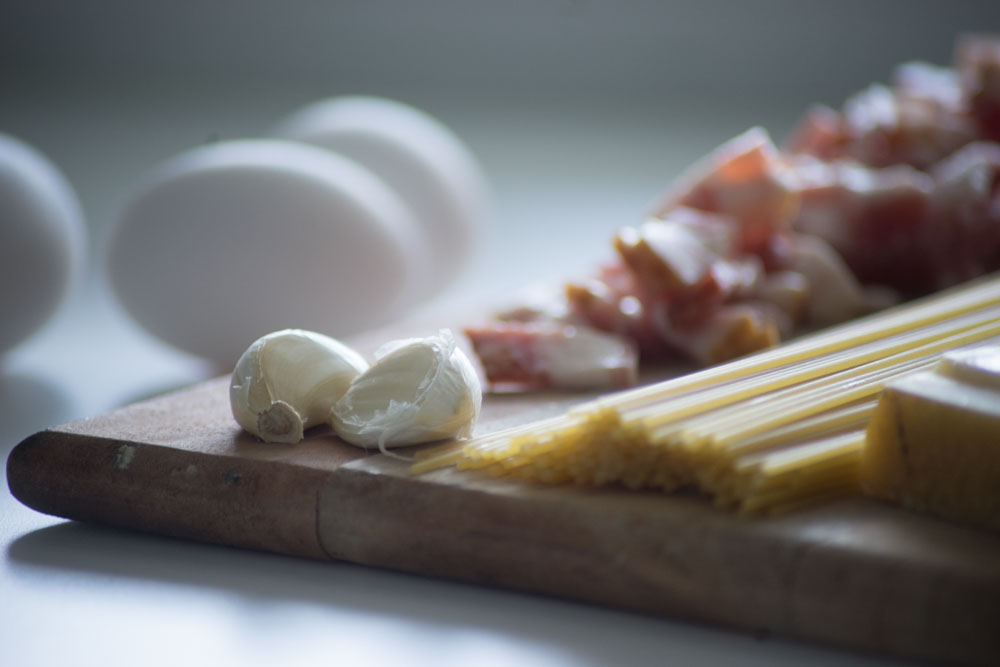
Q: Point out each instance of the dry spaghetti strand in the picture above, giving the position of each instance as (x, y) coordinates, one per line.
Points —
(764, 434)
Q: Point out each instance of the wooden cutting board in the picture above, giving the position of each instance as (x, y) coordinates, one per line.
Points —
(853, 573)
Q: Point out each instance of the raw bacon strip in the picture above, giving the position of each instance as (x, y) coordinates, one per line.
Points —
(684, 260)
(923, 117)
(665, 256)
(910, 126)
(965, 208)
(718, 333)
(912, 231)
(871, 121)
(687, 283)
(977, 59)
(730, 331)
(728, 280)
(896, 195)
(820, 133)
(875, 218)
(694, 326)
(612, 302)
(530, 356)
(744, 179)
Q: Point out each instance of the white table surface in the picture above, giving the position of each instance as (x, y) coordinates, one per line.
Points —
(73, 594)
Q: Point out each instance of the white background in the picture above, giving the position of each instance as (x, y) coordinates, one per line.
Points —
(580, 112)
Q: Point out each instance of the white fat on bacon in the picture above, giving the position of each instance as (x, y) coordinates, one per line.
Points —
(781, 299)
(833, 294)
(744, 179)
(548, 354)
(683, 285)
(679, 251)
(668, 254)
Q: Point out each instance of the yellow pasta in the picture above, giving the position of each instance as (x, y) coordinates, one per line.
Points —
(766, 433)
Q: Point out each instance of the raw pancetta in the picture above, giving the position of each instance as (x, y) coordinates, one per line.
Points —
(893, 196)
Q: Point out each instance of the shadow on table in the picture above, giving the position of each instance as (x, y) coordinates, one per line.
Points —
(622, 638)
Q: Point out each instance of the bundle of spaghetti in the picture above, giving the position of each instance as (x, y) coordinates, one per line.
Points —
(765, 433)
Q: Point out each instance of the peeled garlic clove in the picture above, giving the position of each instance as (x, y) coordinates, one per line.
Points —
(286, 382)
(418, 390)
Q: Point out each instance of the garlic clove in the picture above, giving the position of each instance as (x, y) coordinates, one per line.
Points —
(418, 390)
(286, 381)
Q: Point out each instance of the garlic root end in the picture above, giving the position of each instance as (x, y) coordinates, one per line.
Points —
(280, 423)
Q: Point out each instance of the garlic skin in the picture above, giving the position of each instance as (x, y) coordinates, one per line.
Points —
(286, 381)
(418, 390)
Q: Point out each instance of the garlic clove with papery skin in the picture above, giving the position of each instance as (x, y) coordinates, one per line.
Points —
(418, 390)
(286, 381)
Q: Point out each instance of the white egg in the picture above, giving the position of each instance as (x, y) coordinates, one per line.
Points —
(430, 168)
(42, 240)
(225, 243)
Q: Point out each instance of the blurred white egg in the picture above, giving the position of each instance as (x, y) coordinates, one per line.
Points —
(42, 240)
(230, 241)
(427, 165)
